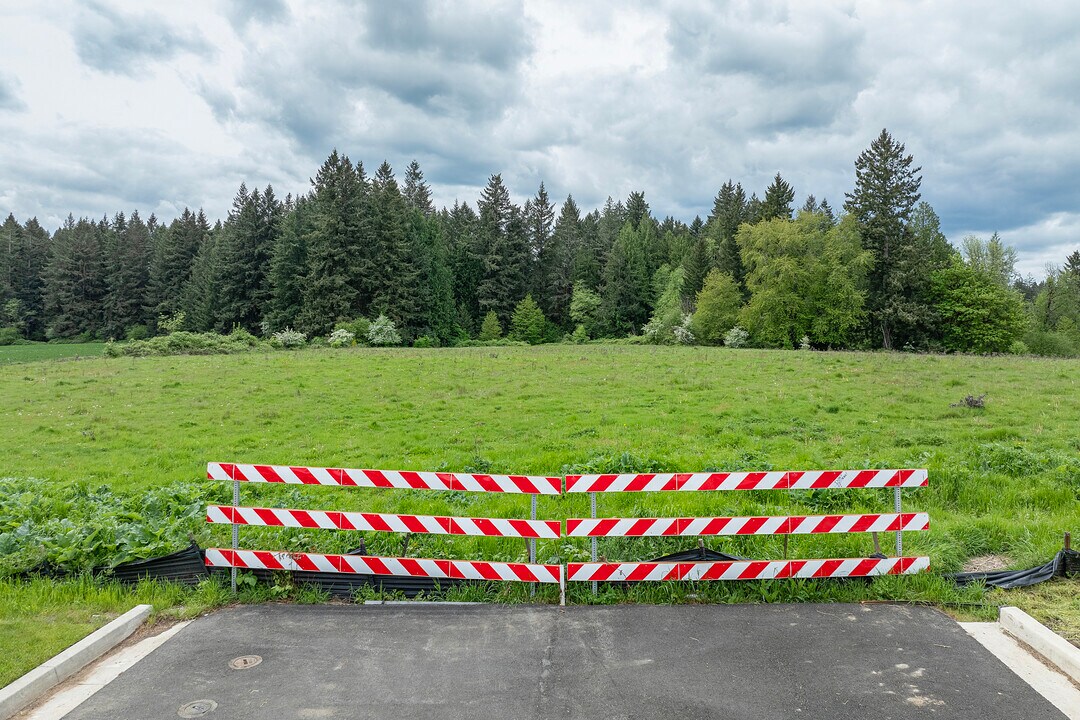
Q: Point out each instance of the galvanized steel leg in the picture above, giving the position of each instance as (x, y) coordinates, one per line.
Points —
(532, 548)
(592, 502)
(235, 529)
(899, 535)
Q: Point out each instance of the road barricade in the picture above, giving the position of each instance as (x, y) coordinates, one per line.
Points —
(787, 525)
(448, 569)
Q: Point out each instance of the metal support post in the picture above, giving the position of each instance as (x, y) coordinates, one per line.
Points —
(592, 503)
(235, 529)
(532, 548)
(899, 534)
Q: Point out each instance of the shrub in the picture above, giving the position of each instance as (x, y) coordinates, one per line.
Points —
(682, 332)
(426, 341)
(240, 336)
(491, 328)
(341, 338)
(579, 336)
(9, 336)
(383, 332)
(137, 332)
(736, 337)
(1019, 347)
(288, 339)
(804, 342)
(169, 324)
(186, 343)
(358, 327)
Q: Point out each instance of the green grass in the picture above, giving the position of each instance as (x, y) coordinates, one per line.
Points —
(1004, 480)
(40, 618)
(48, 351)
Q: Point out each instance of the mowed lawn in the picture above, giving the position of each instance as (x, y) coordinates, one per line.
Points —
(48, 351)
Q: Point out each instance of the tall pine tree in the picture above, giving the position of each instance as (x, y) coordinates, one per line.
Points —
(886, 190)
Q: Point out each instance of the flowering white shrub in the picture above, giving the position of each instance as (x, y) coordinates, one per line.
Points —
(288, 338)
(736, 337)
(683, 336)
(804, 342)
(383, 332)
(341, 338)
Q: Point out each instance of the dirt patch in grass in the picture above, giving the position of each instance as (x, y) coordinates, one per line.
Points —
(987, 563)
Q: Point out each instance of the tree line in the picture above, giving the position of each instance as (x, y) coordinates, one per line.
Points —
(877, 272)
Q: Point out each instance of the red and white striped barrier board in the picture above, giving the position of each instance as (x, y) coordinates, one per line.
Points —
(371, 565)
(527, 484)
(796, 480)
(781, 525)
(745, 569)
(382, 522)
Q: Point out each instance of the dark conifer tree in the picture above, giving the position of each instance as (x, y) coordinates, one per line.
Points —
(461, 230)
(497, 221)
(636, 209)
(417, 194)
(395, 286)
(172, 255)
(75, 280)
(330, 289)
(886, 190)
(730, 210)
(288, 266)
(778, 199)
(626, 284)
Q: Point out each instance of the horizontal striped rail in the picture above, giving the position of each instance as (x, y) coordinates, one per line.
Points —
(526, 484)
(780, 525)
(371, 565)
(779, 480)
(745, 569)
(382, 522)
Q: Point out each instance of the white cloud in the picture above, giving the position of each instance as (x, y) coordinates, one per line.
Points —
(121, 104)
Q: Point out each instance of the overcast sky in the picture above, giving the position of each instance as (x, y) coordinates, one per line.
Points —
(114, 105)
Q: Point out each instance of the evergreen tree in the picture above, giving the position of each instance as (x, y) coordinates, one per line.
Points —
(502, 240)
(29, 262)
(696, 227)
(199, 299)
(330, 289)
(636, 209)
(491, 328)
(1072, 264)
(729, 212)
(75, 280)
(461, 230)
(288, 266)
(626, 284)
(11, 239)
(396, 284)
(777, 202)
(886, 190)
(172, 256)
(127, 274)
(434, 286)
(695, 267)
(558, 263)
(527, 323)
(544, 258)
(417, 194)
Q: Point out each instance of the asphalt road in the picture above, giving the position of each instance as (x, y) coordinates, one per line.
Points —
(633, 661)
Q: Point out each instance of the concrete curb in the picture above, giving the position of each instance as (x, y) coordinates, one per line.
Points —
(41, 679)
(1042, 640)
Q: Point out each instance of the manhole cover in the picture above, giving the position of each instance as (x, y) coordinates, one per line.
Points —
(244, 662)
(197, 709)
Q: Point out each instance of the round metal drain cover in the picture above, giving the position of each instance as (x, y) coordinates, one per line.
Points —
(245, 661)
(197, 709)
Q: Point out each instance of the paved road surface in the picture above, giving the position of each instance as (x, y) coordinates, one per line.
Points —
(634, 661)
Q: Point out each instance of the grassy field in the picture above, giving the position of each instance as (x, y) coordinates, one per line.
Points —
(48, 351)
(1005, 480)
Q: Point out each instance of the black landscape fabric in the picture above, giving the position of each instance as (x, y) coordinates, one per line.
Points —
(1066, 562)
